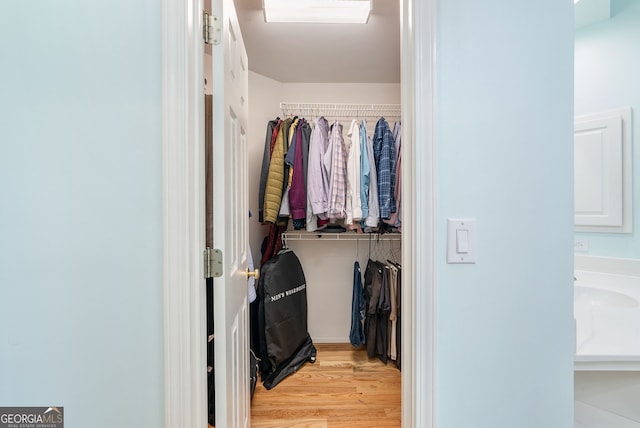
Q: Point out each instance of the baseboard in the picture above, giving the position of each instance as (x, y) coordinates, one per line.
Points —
(330, 339)
(337, 347)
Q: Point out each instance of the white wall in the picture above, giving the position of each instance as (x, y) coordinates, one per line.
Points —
(328, 266)
(504, 120)
(80, 211)
(607, 66)
(263, 106)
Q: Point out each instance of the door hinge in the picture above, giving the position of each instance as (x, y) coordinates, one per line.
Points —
(212, 263)
(211, 29)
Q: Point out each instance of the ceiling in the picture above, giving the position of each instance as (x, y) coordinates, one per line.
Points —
(322, 53)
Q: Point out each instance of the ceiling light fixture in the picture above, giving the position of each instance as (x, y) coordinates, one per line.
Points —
(317, 11)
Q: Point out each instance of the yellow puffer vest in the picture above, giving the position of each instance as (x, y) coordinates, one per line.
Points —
(275, 179)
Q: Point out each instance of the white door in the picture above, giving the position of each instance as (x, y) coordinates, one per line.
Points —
(230, 220)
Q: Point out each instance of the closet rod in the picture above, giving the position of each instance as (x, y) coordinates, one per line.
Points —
(341, 110)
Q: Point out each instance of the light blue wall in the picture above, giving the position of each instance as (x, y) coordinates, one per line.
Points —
(504, 125)
(607, 70)
(80, 210)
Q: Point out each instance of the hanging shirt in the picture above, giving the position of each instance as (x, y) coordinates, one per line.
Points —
(398, 189)
(373, 216)
(354, 205)
(384, 152)
(317, 176)
(364, 170)
(328, 162)
(338, 173)
(394, 217)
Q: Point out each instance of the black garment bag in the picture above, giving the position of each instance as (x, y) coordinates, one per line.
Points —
(284, 342)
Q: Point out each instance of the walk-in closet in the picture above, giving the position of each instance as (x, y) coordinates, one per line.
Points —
(352, 265)
(343, 85)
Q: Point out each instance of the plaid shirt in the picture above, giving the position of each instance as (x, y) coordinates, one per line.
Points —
(385, 157)
(338, 178)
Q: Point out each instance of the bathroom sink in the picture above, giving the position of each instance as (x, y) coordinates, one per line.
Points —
(599, 297)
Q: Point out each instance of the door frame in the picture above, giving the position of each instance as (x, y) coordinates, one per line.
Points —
(185, 394)
(183, 215)
(419, 341)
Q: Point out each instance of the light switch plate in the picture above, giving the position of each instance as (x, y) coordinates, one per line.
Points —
(456, 228)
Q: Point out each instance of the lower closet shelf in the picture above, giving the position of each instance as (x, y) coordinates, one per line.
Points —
(345, 236)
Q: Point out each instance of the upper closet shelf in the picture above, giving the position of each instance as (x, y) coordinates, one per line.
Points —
(357, 111)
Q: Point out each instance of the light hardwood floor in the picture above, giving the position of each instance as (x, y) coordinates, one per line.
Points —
(343, 388)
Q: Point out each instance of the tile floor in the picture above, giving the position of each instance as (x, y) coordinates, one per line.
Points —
(607, 400)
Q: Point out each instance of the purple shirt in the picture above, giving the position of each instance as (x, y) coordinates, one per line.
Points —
(317, 176)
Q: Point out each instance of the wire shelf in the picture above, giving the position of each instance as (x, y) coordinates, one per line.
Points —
(345, 236)
(337, 110)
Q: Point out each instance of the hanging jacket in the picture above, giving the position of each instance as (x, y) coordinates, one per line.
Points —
(356, 334)
(285, 209)
(306, 137)
(297, 194)
(384, 308)
(378, 306)
(275, 177)
(372, 292)
(272, 125)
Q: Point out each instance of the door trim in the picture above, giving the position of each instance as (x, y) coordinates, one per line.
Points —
(419, 208)
(185, 395)
(185, 385)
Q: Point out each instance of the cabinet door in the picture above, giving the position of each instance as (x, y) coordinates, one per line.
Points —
(601, 162)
